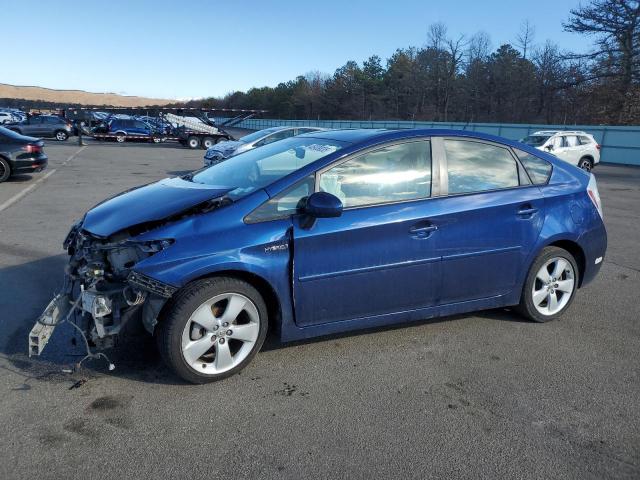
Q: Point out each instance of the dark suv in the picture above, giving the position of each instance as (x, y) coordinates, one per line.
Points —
(43, 126)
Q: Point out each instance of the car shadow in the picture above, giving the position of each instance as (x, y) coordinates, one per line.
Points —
(20, 178)
(28, 288)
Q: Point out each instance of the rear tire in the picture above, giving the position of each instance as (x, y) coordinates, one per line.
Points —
(585, 164)
(5, 170)
(193, 142)
(207, 142)
(550, 286)
(212, 329)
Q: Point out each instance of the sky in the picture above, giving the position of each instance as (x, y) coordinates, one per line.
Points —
(197, 48)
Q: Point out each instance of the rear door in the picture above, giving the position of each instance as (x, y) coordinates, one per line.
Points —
(487, 224)
(379, 256)
(34, 127)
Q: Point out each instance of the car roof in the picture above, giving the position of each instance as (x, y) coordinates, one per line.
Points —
(555, 132)
(373, 136)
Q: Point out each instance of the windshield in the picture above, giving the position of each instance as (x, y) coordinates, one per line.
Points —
(260, 167)
(535, 140)
(252, 137)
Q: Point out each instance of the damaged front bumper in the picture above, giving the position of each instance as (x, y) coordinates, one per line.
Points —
(102, 293)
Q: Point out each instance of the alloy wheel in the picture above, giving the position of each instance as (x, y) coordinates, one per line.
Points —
(61, 136)
(220, 333)
(553, 286)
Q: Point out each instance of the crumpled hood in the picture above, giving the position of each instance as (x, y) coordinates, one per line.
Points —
(230, 145)
(150, 203)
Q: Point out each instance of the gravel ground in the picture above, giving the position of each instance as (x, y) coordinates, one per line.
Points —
(475, 396)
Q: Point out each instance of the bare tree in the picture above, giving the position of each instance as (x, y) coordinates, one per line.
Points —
(615, 24)
(479, 47)
(525, 37)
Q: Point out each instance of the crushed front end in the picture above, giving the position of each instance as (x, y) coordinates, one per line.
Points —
(102, 293)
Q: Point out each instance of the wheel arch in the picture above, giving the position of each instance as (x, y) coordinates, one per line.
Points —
(269, 295)
(576, 250)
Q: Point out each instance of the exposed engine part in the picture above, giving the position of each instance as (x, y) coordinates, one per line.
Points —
(96, 304)
(132, 297)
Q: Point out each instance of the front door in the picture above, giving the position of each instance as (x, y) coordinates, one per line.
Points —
(379, 256)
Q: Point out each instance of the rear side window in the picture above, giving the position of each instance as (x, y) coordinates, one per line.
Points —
(572, 141)
(538, 169)
(478, 167)
(584, 140)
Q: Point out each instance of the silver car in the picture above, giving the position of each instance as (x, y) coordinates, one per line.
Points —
(223, 150)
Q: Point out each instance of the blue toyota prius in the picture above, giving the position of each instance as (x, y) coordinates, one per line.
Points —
(328, 232)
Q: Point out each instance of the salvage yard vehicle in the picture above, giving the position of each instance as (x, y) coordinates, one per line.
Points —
(224, 150)
(43, 126)
(575, 147)
(329, 232)
(20, 154)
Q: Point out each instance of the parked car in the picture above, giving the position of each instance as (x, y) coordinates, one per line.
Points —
(576, 147)
(329, 232)
(225, 149)
(20, 154)
(6, 117)
(44, 126)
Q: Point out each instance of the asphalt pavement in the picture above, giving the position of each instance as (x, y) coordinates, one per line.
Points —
(485, 395)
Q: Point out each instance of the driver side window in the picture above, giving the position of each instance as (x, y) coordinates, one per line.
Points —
(285, 204)
(393, 173)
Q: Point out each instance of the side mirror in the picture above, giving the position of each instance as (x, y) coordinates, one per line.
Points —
(300, 152)
(549, 147)
(323, 205)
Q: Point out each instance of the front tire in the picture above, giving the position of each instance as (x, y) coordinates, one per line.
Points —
(61, 135)
(121, 137)
(212, 329)
(550, 286)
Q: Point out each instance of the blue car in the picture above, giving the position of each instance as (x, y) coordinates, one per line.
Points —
(125, 128)
(329, 232)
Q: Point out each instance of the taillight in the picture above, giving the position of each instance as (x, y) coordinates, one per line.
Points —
(32, 148)
(597, 146)
(594, 195)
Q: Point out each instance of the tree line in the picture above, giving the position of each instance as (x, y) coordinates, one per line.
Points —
(463, 79)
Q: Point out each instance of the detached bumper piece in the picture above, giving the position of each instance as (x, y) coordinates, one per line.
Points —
(151, 285)
(50, 318)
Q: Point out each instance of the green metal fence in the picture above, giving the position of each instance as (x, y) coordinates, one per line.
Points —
(619, 144)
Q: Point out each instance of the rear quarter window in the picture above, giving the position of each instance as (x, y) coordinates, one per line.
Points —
(538, 169)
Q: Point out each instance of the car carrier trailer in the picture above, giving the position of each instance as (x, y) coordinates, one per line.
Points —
(190, 126)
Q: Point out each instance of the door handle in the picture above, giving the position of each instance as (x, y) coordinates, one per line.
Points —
(423, 232)
(527, 211)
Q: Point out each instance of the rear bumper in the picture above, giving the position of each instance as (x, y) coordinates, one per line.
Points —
(30, 165)
(594, 245)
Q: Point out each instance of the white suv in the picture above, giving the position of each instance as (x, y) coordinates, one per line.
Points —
(575, 147)
(6, 117)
